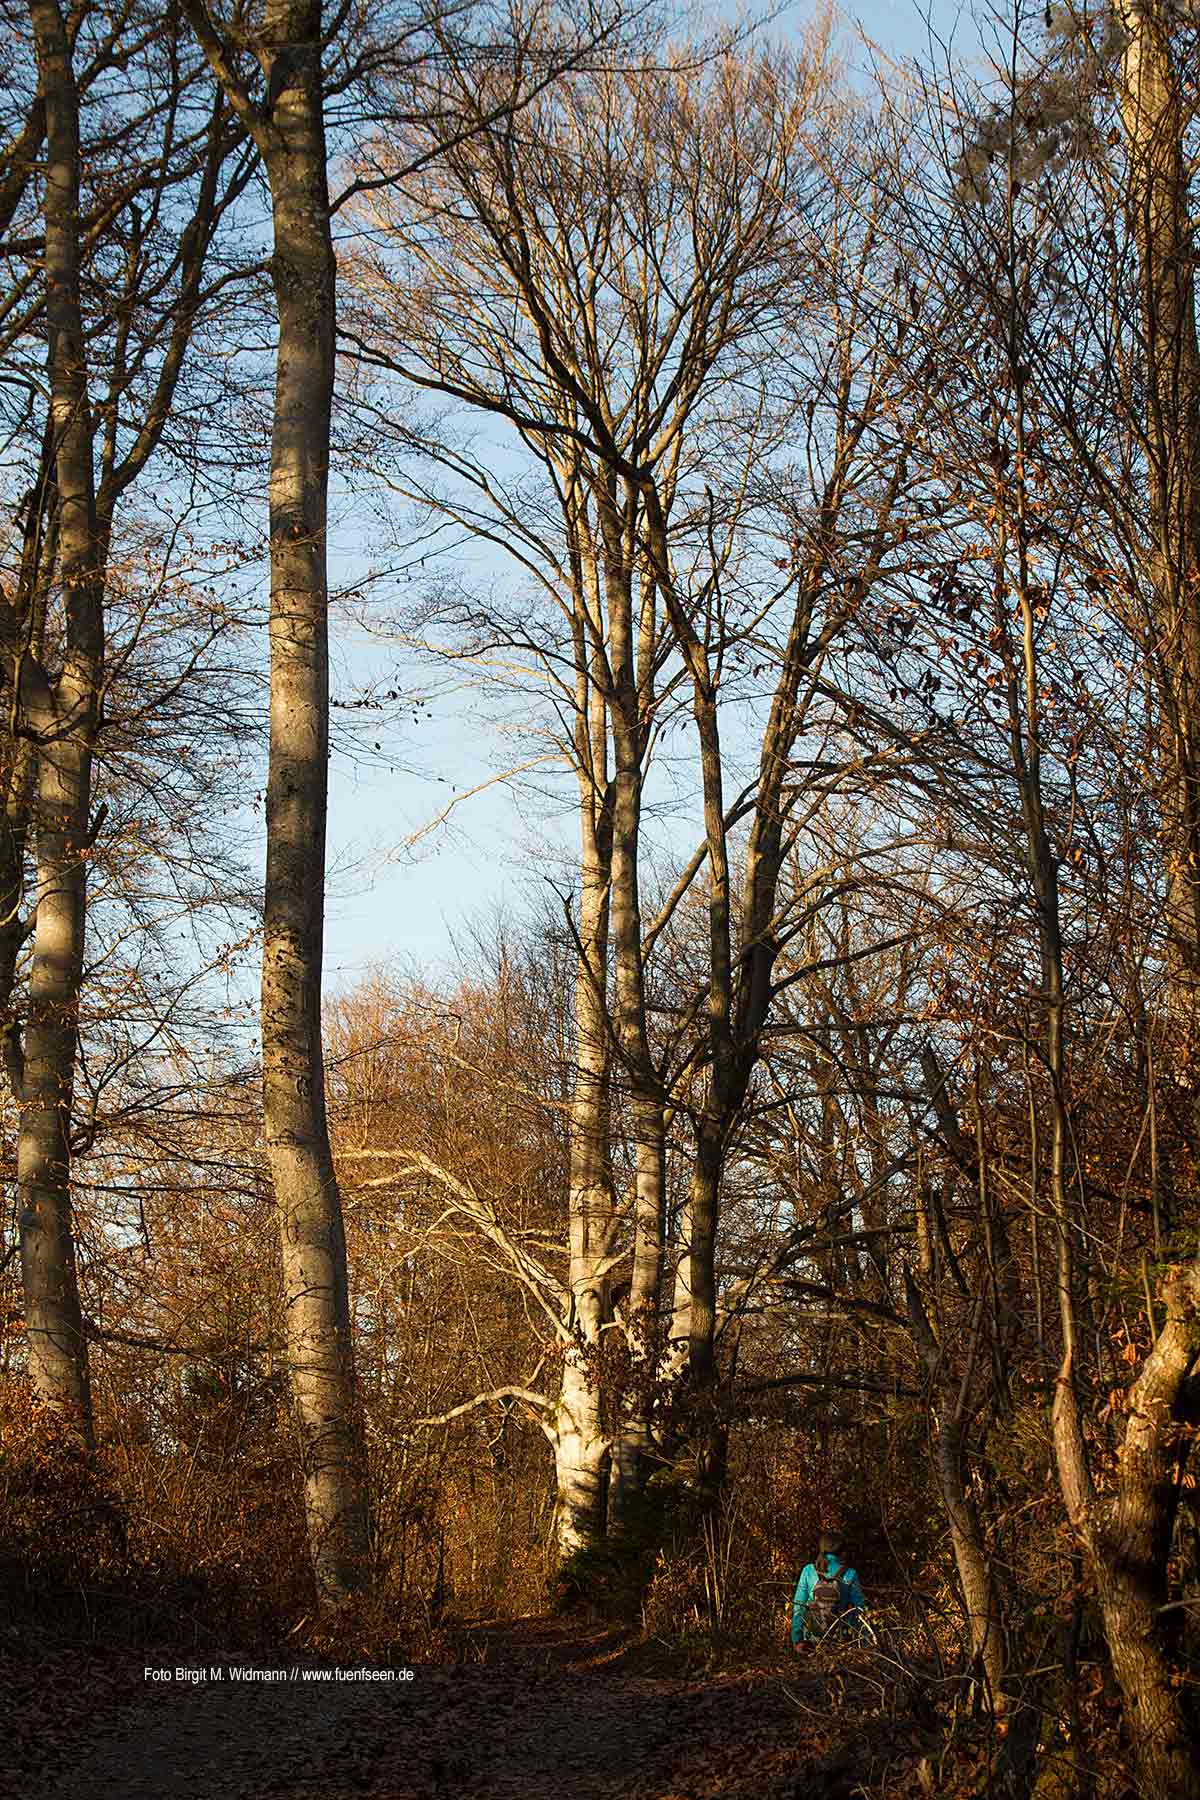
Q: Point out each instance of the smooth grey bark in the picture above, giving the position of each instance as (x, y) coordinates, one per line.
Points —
(601, 1462)
(63, 717)
(290, 135)
(630, 664)
(634, 1439)
(575, 1425)
(47, 772)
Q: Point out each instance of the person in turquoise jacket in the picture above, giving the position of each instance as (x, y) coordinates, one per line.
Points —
(830, 1565)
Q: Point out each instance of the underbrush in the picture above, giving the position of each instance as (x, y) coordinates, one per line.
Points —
(199, 1544)
(717, 1597)
(195, 1541)
(200, 1547)
(101, 1547)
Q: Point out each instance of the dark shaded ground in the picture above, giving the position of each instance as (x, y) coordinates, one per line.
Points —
(536, 1710)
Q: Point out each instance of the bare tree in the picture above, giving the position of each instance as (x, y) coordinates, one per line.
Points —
(1042, 467)
(102, 350)
(291, 47)
(64, 717)
(288, 129)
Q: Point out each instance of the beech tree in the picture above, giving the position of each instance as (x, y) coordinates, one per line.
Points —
(288, 129)
(290, 47)
(634, 300)
(806, 482)
(602, 212)
(81, 463)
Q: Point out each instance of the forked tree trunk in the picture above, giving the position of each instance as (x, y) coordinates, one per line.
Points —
(1127, 1537)
(62, 717)
(740, 977)
(291, 139)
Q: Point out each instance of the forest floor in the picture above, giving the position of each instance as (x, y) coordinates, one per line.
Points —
(534, 1709)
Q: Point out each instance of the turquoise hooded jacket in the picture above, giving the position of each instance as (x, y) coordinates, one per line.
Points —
(804, 1592)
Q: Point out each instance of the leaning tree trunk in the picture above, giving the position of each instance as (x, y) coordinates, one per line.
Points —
(62, 717)
(1127, 1536)
(291, 139)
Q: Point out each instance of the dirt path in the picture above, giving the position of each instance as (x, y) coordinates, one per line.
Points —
(536, 1711)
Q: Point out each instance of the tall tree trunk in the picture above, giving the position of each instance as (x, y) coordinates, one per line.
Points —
(22, 631)
(1156, 116)
(306, 1194)
(631, 705)
(63, 718)
(577, 1430)
(696, 1280)
(291, 139)
(634, 1443)
(575, 1425)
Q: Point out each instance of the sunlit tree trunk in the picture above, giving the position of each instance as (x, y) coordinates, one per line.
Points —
(631, 705)
(1156, 117)
(1126, 1533)
(578, 1436)
(291, 138)
(633, 1448)
(1127, 1536)
(1132, 1547)
(62, 717)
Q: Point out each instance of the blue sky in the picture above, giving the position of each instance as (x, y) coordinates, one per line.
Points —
(402, 909)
